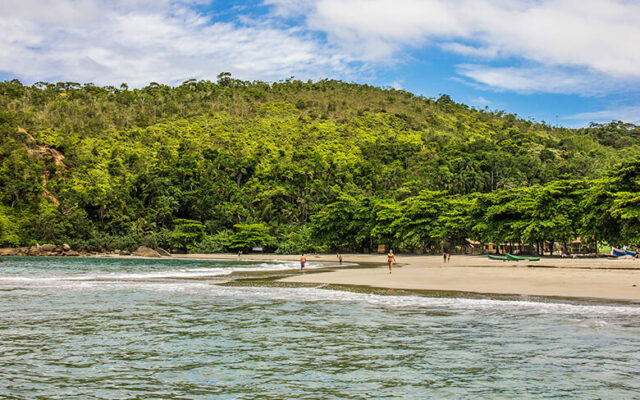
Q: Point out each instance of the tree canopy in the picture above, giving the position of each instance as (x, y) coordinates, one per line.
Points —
(300, 166)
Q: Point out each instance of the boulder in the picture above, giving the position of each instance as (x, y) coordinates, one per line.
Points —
(66, 247)
(34, 250)
(8, 251)
(143, 251)
(47, 247)
(163, 252)
(71, 253)
(125, 253)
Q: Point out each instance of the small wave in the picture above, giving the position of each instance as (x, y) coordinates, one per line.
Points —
(159, 274)
(593, 324)
(516, 306)
(175, 274)
(150, 281)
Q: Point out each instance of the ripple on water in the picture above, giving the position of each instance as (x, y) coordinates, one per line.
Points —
(189, 339)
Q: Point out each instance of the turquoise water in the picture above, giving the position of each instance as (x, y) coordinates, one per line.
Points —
(81, 329)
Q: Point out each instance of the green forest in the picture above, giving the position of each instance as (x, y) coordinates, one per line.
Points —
(301, 167)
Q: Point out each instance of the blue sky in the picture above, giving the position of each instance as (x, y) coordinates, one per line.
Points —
(567, 62)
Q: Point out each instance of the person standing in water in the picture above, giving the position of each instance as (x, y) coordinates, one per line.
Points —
(391, 258)
(303, 261)
(339, 258)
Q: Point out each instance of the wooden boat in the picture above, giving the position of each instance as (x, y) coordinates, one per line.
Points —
(496, 257)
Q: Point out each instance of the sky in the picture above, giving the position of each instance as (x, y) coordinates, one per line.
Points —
(566, 62)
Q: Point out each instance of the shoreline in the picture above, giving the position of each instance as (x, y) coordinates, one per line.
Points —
(559, 278)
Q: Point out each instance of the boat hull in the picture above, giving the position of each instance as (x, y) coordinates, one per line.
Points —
(519, 258)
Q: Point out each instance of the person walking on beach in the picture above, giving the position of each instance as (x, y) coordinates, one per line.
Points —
(444, 256)
(303, 261)
(339, 258)
(391, 258)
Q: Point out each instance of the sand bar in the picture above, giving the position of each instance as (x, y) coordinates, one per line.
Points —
(587, 278)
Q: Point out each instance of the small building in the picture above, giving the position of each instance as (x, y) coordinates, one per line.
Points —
(577, 246)
(490, 248)
(473, 247)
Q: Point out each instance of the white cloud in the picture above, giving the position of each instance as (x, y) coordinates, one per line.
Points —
(141, 41)
(600, 37)
(626, 113)
(481, 102)
(560, 46)
(397, 85)
(526, 80)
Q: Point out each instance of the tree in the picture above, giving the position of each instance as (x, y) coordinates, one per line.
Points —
(250, 235)
(186, 234)
(9, 229)
(418, 226)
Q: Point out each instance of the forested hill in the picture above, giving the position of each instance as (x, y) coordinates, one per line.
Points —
(300, 166)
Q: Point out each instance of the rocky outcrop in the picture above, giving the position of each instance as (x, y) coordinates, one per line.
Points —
(143, 251)
(9, 251)
(34, 250)
(163, 252)
(45, 250)
(48, 248)
(50, 156)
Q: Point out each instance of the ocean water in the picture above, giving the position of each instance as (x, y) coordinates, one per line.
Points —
(140, 329)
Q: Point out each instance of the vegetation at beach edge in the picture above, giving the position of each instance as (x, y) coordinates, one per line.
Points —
(301, 167)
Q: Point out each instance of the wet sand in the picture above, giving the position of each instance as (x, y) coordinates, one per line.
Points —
(585, 278)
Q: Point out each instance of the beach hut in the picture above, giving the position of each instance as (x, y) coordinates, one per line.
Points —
(490, 248)
(472, 247)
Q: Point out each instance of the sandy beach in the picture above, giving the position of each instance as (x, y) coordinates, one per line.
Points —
(585, 278)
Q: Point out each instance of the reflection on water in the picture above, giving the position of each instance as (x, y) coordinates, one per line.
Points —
(192, 340)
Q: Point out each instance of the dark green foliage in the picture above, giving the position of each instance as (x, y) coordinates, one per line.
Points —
(186, 234)
(250, 235)
(300, 167)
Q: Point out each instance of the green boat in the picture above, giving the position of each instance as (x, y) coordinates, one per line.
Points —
(498, 258)
(518, 258)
